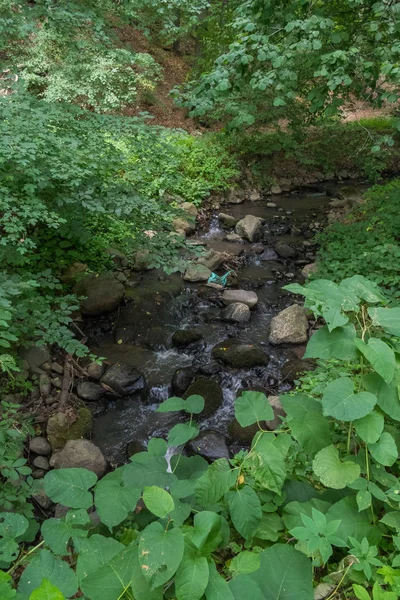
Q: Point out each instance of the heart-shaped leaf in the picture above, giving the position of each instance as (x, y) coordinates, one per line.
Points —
(340, 401)
(253, 407)
(334, 473)
(158, 501)
(70, 487)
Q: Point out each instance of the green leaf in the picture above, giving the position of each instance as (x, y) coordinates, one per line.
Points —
(392, 519)
(298, 405)
(108, 582)
(266, 462)
(312, 432)
(387, 318)
(182, 433)
(385, 450)
(192, 576)
(245, 510)
(70, 487)
(338, 343)
(363, 288)
(194, 404)
(158, 501)
(270, 525)
(339, 401)
(94, 554)
(157, 447)
(173, 404)
(214, 483)
(141, 587)
(388, 397)
(363, 499)
(186, 467)
(58, 532)
(146, 469)
(245, 562)
(160, 553)
(284, 574)
(114, 500)
(45, 566)
(380, 355)
(47, 591)
(252, 407)
(331, 471)
(12, 526)
(207, 533)
(353, 523)
(361, 592)
(217, 588)
(370, 427)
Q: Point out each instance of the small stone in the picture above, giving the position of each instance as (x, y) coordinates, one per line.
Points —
(254, 196)
(57, 368)
(181, 380)
(123, 379)
(38, 473)
(285, 251)
(250, 228)
(197, 273)
(285, 185)
(242, 296)
(50, 400)
(234, 238)
(238, 354)
(183, 225)
(210, 445)
(236, 312)
(42, 499)
(87, 390)
(80, 453)
(44, 385)
(257, 248)
(190, 209)
(278, 413)
(276, 189)
(35, 356)
(210, 390)
(227, 221)
(309, 269)
(57, 382)
(235, 196)
(95, 371)
(185, 337)
(290, 326)
(41, 462)
(45, 367)
(271, 205)
(121, 277)
(212, 259)
(40, 445)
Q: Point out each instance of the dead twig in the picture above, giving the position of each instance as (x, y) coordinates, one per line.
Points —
(66, 384)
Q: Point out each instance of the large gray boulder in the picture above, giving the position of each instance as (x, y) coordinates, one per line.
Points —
(227, 221)
(242, 296)
(123, 379)
(240, 354)
(80, 453)
(212, 259)
(184, 337)
(103, 294)
(90, 391)
(250, 228)
(237, 312)
(290, 326)
(197, 273)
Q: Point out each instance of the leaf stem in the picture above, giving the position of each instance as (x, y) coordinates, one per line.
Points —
(22, 558)
(367, 461)
(339, 584)
(349, 437)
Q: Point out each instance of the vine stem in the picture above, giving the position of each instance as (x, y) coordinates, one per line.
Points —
(22, 558)
(339, 584)
(349, 437)
(367, 461)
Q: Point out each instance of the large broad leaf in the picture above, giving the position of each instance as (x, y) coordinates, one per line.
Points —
(217, 588)
(173, 404)
(297, 406)
(109, 582)
(57, 533)
(141, 587)
(312, 432)
(195, 404)
(96, 552)
(370, 427)
(158, 501)
(70, 487)
(245, 562)
(156, 447)
(269, 527)
(207, 532)
(214, 483)
(45, 566)
(146, 469)
(392, 519)
(292, 512)
(186, 467)
(353, 523)
(266, 462)
(338, 343)
(387, 395)
(340, 401)
(12, 526)
(380, 355)
(160, 553)
(114, 499)
(384, 451)
(284, 574)
(182, 433)
(387, 318)
(191, 579)
(47, 591)
(253, 407)
(332, 471)
(245, 510)
(363, 288)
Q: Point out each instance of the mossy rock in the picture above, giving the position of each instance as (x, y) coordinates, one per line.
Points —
(61, 428)
(237, 433)
(240, 354)
(211, 392)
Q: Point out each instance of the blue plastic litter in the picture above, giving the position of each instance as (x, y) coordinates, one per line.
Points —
(219, 279)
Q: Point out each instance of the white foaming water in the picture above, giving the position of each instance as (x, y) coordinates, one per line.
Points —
(214, 229)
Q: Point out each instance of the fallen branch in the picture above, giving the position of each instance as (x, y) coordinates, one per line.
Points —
(66, 384)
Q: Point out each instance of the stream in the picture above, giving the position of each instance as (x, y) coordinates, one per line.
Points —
(157, 305)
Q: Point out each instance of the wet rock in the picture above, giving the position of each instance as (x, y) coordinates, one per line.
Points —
(197, 273)
(87, 390)
(80, 453)
(211, 392)
(271, 205)
(142, 260)
(276, 189)
(210, 368)
(57, 382)
(250, 228)
(240, 354)
(41, 462)
(254, 196)
(227, 221)
(278, 413)
(135, 447)
(123, 379)
(212, 259)
(185, 337)
(183, 226)
(51, 400)
(95, 371)
(235, 196)
(269, 254)
(309, 269)
(257, 248)
(234, 238)
(42, 500)
(44, 385)
(210, 445)
(290, 326)
(285, 184)
(57, 368)
(285, 251)
(38, 473)
(103, 294)
(242, 434)
(236, 313)
(157, 338)
(190, 209)
(35, 356)
(181, 380)
(62, 427)
(40, 445)
(242, 296)
(294, 367)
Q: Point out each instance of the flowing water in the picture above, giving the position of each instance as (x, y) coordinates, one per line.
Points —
(140, 333)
